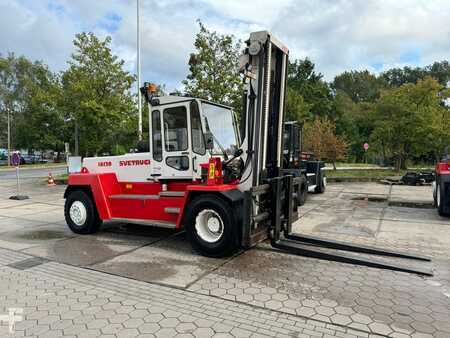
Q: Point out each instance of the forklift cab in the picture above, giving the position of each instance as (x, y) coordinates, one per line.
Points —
(186, 133)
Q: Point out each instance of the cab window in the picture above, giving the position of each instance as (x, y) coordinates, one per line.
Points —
(198, 141)
(156, 135)
(175, 129)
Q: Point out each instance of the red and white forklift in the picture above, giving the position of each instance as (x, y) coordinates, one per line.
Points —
(441, 187)
(219, 181)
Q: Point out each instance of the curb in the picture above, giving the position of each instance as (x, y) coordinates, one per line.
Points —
(353, 179)
(32, 168)
(412, 204)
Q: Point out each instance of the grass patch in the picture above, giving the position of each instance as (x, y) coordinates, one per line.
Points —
(364, 173)
(61, 176)
(353, 165)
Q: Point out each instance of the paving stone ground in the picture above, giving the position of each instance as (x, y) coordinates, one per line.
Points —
(62, 300)
(137, 281)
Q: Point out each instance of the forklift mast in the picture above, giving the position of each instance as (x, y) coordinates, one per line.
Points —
(264, 65)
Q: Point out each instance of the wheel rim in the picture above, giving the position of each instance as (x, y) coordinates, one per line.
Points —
(78, 213)
(209, 225)
(324, 182)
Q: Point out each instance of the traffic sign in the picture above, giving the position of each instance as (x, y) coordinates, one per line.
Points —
(15, 159)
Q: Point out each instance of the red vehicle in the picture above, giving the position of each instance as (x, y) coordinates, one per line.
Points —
(441, 187)
(220, 182)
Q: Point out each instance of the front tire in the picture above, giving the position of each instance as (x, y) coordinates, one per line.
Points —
(81, 214)
(211, 226)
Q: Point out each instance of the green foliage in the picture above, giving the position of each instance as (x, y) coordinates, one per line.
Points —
(355, 121)
(213, 69)
(29, 90)
(96, 95)
(316, 93)
(410, 120)
(296, 107)
(396, 77)
(360, 86)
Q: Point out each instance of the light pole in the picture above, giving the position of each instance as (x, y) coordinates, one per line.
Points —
(139, 72)
(9, 138)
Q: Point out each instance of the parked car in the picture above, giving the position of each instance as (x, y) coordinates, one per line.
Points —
(30, 159)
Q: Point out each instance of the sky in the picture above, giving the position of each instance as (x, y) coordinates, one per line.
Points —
(337, 35)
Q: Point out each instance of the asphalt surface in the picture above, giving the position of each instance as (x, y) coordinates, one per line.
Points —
(8, 174)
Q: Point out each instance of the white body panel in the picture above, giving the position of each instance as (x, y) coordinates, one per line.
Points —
(128, 168)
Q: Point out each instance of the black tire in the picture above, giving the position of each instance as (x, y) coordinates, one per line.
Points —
(303, 193)
(227, 243)
(92, 221)
(441, 200)
(320, 188)
(434, 194)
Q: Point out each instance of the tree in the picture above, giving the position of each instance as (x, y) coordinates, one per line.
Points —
(396, 77)
(320, 138)
(355, 122)
(41, 124)
(410, 120)
(96, 97)
(296, 107)
(316, 93)
(360, 86)
(28, 90)
(214, 69)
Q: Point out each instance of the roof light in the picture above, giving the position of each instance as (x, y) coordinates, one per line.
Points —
(151, 88)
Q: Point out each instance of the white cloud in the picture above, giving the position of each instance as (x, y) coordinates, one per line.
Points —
(336, 35)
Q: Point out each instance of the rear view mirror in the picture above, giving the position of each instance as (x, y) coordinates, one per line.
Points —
(209, 140)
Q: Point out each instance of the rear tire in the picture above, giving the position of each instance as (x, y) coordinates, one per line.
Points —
(440, 200)
(303, 194)
(81, 214)
(211, 226)
(320, 189)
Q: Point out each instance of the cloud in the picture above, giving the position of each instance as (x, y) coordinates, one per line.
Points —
(337, 35)
(342, 35)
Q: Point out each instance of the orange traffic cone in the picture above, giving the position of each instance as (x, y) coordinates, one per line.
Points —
(50, 180)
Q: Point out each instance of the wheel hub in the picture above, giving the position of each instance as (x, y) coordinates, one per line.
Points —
(78, 213)
(209, 225)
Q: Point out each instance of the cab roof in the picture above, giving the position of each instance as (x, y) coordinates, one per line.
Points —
(170, 99)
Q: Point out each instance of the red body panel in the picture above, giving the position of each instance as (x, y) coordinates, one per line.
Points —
(150, 206)
(102, 186)
(147, 209)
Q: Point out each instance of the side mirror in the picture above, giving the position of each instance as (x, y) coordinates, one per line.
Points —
(238, 152)
(209, 140)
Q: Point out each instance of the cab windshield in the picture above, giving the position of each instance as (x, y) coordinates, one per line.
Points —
(220, 122)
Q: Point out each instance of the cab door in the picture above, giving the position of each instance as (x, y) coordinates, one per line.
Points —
(176, 142)
(199, 153)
